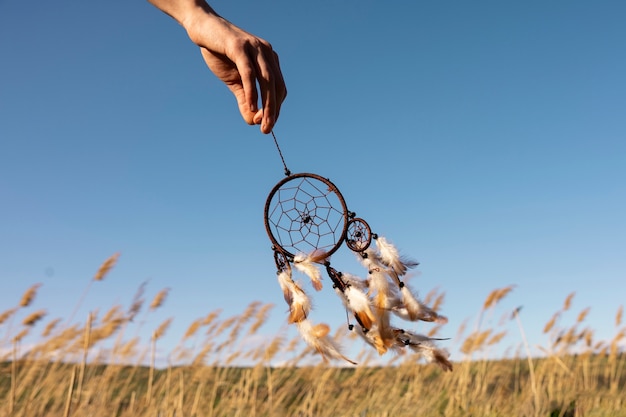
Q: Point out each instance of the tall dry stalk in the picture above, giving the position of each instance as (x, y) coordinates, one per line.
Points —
(101, 273)
(83, 362)
(13, 378)
(531, 368)
(70, 394)
(156, 335)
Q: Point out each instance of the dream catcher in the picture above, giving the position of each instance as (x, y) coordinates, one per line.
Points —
(307, 220)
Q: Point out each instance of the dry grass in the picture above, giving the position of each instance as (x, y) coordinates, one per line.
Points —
(98, 368)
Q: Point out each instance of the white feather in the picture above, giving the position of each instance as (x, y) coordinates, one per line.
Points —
(355, 281)
(285, 282)
(304, 264)
(359, 304)
(390, 257)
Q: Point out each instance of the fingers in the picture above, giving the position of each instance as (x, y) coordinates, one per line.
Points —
(251, 70)
(268, 76)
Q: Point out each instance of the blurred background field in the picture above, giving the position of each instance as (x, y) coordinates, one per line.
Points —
(226, 366)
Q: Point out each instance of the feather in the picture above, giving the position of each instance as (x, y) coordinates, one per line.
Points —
(299, 303)
(284, 278)
(378, 283)
(425, 346)
(390, 257)
(410, 308)
(359, 304)
(381, 293)
(304, 264)
(373, 338)
(317, 338)
(300, 306)
(354, 281)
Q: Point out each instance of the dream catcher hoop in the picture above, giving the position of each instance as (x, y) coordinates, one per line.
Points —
(307, 221)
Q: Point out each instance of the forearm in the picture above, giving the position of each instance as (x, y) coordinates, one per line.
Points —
(191, 15)
(183, 11)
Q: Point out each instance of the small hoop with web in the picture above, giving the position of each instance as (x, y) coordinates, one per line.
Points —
(307, 221)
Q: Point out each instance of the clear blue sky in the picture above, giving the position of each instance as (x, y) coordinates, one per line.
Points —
(485, 139)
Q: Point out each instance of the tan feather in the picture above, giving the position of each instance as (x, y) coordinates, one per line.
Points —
(373, 338)
(297, 300)
(300, 305)
(320, 330)
(317, 338)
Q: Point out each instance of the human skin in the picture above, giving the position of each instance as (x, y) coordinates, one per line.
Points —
(247, 64)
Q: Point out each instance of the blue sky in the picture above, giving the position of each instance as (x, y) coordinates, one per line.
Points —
(486, 140)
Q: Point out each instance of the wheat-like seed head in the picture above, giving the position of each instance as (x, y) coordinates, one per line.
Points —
(598, 345)
(243, 319)
(496, 295)
(106, 267)
(159, 299)
(103, 331)
(273, 348)
(261, 318)
(461, 329)
(225, 324)
(160, 331)
(5, 315)
(211, 317)
(137, 303)
(61, 340)
(618, 316)
(49, 327)
(475, 341)
(201, 356)
(438, 301)
(614, 346)
(33, 318)
(567, 338)
(129, 349)
(192, 329)
(293, 343)
(434, 331)
(114, 312)
(18, 337)
(430, 296)
(29, 295)
(582, 315)
(496, 338)
(568, 301)
(550, 324)
(588, 336)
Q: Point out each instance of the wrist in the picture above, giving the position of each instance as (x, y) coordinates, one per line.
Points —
(201, 21)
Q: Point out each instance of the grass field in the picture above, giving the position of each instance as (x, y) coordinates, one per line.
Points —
(68, 373)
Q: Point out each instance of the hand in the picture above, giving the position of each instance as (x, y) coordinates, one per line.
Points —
(247, 65)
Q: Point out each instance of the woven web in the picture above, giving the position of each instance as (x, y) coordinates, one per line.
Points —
(305, 215)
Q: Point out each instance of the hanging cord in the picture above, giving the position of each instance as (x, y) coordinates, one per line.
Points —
(287, 172)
